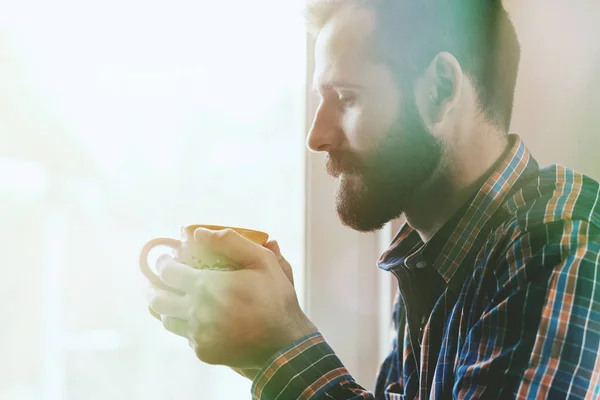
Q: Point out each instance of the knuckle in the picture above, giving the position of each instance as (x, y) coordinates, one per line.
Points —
(225, 234)
(164, 267)
(165, 277)
(162, 274)
(195, 313)
(162, 262)
(163, 258)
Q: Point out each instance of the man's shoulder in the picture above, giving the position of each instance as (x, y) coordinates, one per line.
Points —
(551, 216)
(557, 194)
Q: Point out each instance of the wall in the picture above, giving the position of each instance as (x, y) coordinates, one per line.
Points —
(557, 102)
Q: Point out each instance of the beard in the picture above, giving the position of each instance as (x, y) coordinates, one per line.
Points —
(375, 188)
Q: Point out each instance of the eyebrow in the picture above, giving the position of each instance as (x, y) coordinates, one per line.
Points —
(337, 84)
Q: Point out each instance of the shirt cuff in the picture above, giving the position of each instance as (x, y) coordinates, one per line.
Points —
(303, 370)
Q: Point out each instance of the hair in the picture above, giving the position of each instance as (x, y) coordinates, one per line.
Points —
(410, 33)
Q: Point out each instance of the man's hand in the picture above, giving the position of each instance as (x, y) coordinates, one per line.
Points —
(235, 318)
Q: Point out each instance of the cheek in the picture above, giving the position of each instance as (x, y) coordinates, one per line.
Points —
(353, 123)
(366, 126)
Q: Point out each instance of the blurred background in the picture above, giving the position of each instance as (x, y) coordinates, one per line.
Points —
(121, 121)
(557, 102)
(124, 120)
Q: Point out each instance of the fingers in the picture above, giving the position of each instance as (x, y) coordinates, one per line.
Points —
(167, 303)
(233, 245)
(175, 274)
(274, 247)
(154, 313)
(285, 266)
(176, 325)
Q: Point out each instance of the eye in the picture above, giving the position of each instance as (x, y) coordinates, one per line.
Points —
(347, 99)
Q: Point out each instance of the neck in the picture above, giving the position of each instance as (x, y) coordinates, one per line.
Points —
(460, 175)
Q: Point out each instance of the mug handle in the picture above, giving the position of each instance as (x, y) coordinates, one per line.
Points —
(146, 270)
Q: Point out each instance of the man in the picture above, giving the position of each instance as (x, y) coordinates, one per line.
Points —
(497, 263)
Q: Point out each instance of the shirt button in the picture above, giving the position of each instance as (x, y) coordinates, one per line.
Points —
(421, 264)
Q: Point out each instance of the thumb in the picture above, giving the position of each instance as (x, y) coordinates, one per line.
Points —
(231, 244)
(283, 263)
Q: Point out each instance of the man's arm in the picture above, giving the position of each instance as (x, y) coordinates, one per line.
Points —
(307, 369)
(539, 334)
(244, 318)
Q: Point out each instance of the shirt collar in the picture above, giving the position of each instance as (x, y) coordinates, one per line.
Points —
(450, 245)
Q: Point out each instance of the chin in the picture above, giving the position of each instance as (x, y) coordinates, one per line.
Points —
(362, 209)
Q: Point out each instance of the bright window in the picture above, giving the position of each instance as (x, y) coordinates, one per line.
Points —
(122, 120)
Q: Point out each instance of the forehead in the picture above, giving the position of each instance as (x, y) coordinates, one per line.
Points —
(342, 46)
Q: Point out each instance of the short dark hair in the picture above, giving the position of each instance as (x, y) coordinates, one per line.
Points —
(479, 33)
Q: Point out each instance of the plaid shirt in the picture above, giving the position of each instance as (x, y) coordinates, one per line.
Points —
(503, 302)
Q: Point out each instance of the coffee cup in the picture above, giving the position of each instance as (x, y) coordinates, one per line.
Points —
(187, 251)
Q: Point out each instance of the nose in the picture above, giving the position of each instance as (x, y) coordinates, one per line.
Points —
(326, 133)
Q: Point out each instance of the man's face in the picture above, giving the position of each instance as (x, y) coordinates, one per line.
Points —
(378, 146)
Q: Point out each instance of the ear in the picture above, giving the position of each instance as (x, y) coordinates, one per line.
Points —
(439, 88)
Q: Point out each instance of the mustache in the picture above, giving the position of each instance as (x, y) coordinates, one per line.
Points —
(338, 162)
